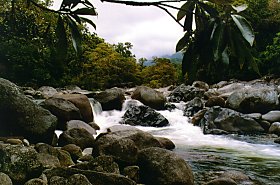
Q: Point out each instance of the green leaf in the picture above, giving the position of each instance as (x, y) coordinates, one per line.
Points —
(240, 8)
(88, 21)
(245, 28)
(75, 35)
(183, 42)
(209, 9)
(218, 41)
(85, 11)
(225, 56)
(189, 19)
(61, 44)
(184, 10)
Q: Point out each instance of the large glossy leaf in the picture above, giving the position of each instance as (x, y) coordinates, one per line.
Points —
(75, 35)
(85, 11)
(61, 39)
(245, 28)
(218, 40)
(88, 21)
(240, 8)
(184, 10)
(189, 18)
(183, 42)
(209, 9)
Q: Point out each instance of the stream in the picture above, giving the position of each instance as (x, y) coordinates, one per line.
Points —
(209, 155)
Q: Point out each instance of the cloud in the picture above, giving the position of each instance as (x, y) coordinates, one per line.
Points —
(151, 30)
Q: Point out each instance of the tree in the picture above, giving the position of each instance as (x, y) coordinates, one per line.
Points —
(221, 36)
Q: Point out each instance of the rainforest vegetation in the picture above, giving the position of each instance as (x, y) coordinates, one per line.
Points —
(232, 39)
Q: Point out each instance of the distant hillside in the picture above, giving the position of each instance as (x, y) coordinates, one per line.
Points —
(174, 58)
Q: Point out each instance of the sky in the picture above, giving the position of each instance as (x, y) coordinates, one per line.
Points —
(151, 31)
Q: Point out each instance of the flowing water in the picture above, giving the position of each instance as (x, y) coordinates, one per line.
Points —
(210, 155)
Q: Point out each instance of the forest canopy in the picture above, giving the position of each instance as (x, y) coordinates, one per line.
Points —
(42, 46)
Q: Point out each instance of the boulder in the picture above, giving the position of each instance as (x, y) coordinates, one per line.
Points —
(162, 167)
(201, 85)
(275, 128)
(149, 97)
(272, 116)
(124, 145)
(80, 124)
(132, 172)
(20, 116)
(238, 177)
(166, 143)
(64, 110)
(229, 121)
(5, 179)
(93, 177)
(74, 151)
(111, 99)
(222, 181)
(215, 101)
(81, 102)
(144, 116)
(36, 181)
(47, 91)
(103, 164)
(78, 136)
(193, 106)
(19, 162)
(250, 100)
(54, 154)
(185, 93)
(225, 90)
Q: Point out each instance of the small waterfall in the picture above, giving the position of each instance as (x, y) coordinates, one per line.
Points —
(95, 106)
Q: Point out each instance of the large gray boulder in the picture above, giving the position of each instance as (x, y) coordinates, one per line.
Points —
(162, 167)
(20, 116)
(272, 116)
(250, 100)
(149, 97)
(124, 145)
(185, 93)
(111, 99)
(275, 128)
(95, 178)
(82, 102)
(64, 110)
(144, 116)
(5, 179)
(19, 162)
(230, 121)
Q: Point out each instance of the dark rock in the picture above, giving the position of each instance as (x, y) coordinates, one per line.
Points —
(47, 160)
(250, 100)
(56, 180)
(77, 136)
(149, 97)
(272, 116)
(123, 145)
(74, 151)
(111, 99)
(94, 126)
(193, 106)
(36, 181)
(62, 156)
(103, 164)
(161, 167)
(13, 141)
(5, 179)
(81, 102)
(185, 93)
(64, 110)
(215, 101)
(86, 157)
(275, 128)
(198, 117)
(20, 116)
(144, 116)
(169, 106)
(166, 143)
(97, 178)
(132, 172)
(19, 162)
(222, 181)
(78, 179)
(229, 121)
(277, 140)
(201, 85)
(47, 91)
(80, 124)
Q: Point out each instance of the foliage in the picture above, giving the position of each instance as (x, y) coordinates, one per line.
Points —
(271, 57)
(105, 67)
(162, 74)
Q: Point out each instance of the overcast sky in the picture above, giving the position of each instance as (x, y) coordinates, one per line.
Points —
(151, 31)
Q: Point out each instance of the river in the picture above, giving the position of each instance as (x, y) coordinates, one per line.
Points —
(210, 155)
